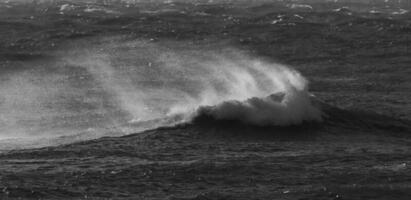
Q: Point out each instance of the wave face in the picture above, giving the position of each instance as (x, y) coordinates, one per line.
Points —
(114, 86)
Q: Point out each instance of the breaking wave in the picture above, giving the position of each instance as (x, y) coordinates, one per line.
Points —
(111, 87)
(283, 109)
(256, 93)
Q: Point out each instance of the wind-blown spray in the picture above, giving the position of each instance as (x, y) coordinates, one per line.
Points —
(114, 86)
(226, 84)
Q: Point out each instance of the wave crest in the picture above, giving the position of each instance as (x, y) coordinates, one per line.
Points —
(280, 109)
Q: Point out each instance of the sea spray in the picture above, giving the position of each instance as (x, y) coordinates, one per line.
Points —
(166, 81)
(114, 86)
